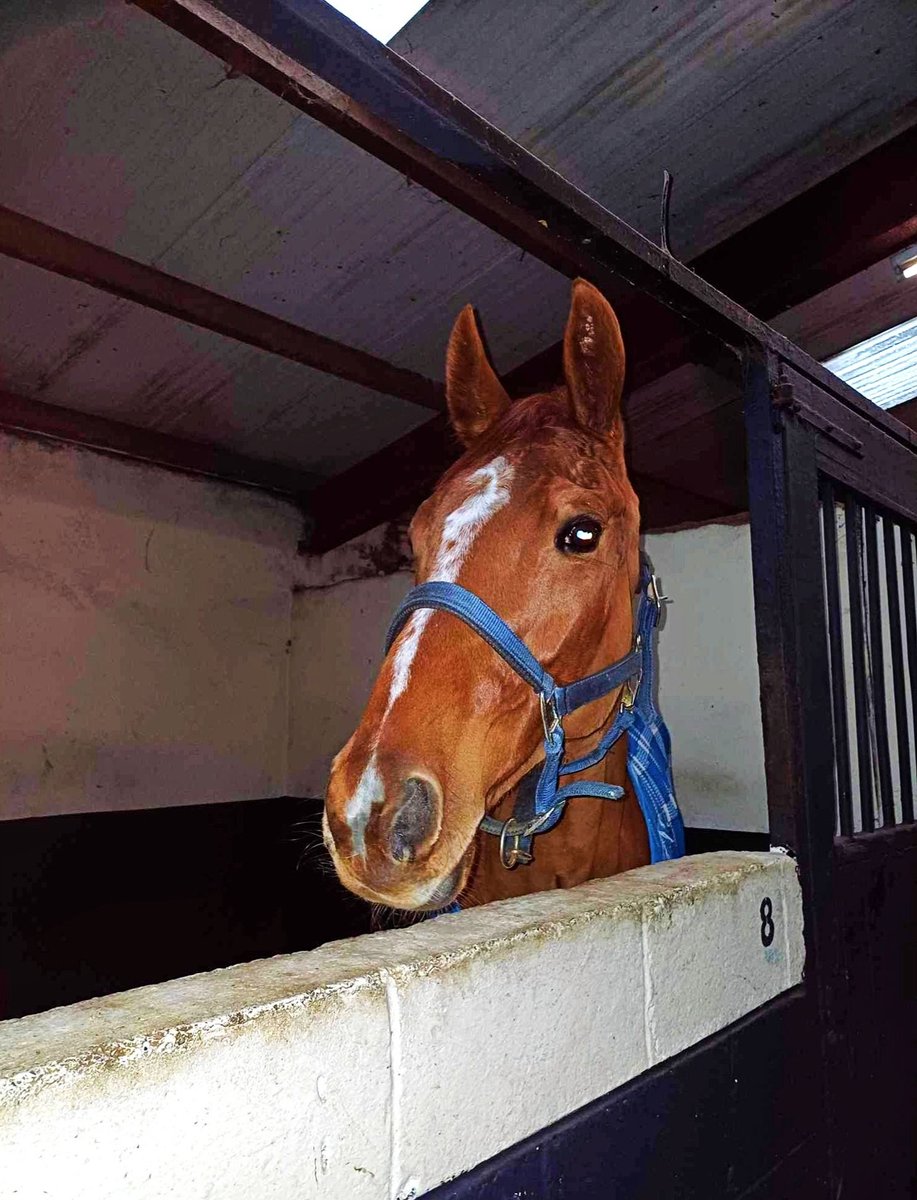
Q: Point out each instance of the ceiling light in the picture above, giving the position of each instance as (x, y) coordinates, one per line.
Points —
(905, 263)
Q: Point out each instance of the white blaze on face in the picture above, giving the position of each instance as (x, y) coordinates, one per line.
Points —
(369, 791)
(490, 492)
(460, 529)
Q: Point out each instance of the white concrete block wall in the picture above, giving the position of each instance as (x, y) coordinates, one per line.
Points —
(144, 627)
(708, 676)
(378, 1067)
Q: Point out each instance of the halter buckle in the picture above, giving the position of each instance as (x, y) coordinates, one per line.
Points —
(629, 692)
(632, 686)
(550, 717)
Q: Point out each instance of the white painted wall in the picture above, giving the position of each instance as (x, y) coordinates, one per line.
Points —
(144, 620)
(708, 686)
(144, 627)
(708, 676)
(379, 1067)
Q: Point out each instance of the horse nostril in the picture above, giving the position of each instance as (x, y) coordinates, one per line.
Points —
(415, 818)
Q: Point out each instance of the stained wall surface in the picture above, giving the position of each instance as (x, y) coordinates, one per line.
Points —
(144, 627)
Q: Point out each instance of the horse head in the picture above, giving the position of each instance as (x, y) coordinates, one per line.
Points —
(539, 519)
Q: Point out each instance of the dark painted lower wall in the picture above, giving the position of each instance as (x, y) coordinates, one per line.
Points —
(707, 841)
(99, 902)
(96, 903)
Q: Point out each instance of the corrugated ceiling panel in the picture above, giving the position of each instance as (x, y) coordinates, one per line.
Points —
(66, 344)
(747, 104)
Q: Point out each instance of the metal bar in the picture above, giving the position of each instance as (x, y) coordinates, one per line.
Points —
(877, 664)
(897, 657)
(836, 656)
(23, 415)
(308, 54)
(855, 578)
(884, 470)
(909, 589)
(32, 241)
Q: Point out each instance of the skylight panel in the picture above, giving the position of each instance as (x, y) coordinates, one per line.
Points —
(884, 367)
(381, 18)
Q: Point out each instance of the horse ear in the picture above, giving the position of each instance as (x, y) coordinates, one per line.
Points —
(594, 360)
(475, 396)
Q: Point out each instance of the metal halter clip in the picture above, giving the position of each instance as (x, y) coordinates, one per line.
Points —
(654, 593)
(513, 855)
(550, 717)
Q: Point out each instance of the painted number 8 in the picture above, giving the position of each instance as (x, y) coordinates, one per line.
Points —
(767, 921)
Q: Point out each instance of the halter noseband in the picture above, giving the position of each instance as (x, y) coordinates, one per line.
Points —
(538, 808)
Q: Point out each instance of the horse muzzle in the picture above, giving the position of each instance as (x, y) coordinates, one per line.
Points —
(384, 836)
(408, 888)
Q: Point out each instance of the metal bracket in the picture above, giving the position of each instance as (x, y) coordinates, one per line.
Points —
(787, 403)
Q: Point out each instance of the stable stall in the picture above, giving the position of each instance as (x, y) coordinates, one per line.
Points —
(205, 616)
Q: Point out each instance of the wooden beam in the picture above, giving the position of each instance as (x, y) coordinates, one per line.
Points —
(664, 505)
(20, 414)
(32, 241)
(394, 480)
(839, 227)
(386, 486)
(906, 413)
(381, 487)
(704, 456)
(855, 218)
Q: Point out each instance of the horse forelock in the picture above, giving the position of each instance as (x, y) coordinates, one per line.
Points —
(540, 437)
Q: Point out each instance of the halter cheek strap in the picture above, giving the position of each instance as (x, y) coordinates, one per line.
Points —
(539, 808)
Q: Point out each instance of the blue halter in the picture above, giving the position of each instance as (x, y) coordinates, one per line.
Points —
(540, 805)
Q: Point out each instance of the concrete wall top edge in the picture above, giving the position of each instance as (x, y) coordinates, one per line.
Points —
(68, 1044)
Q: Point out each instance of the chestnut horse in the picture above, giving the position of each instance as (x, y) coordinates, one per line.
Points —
(539, 519)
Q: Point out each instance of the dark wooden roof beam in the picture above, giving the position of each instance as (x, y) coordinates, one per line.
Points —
(32, 241)
(843, 225)
(20, 414)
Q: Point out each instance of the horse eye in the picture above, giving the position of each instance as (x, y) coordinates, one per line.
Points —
(579, 536)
